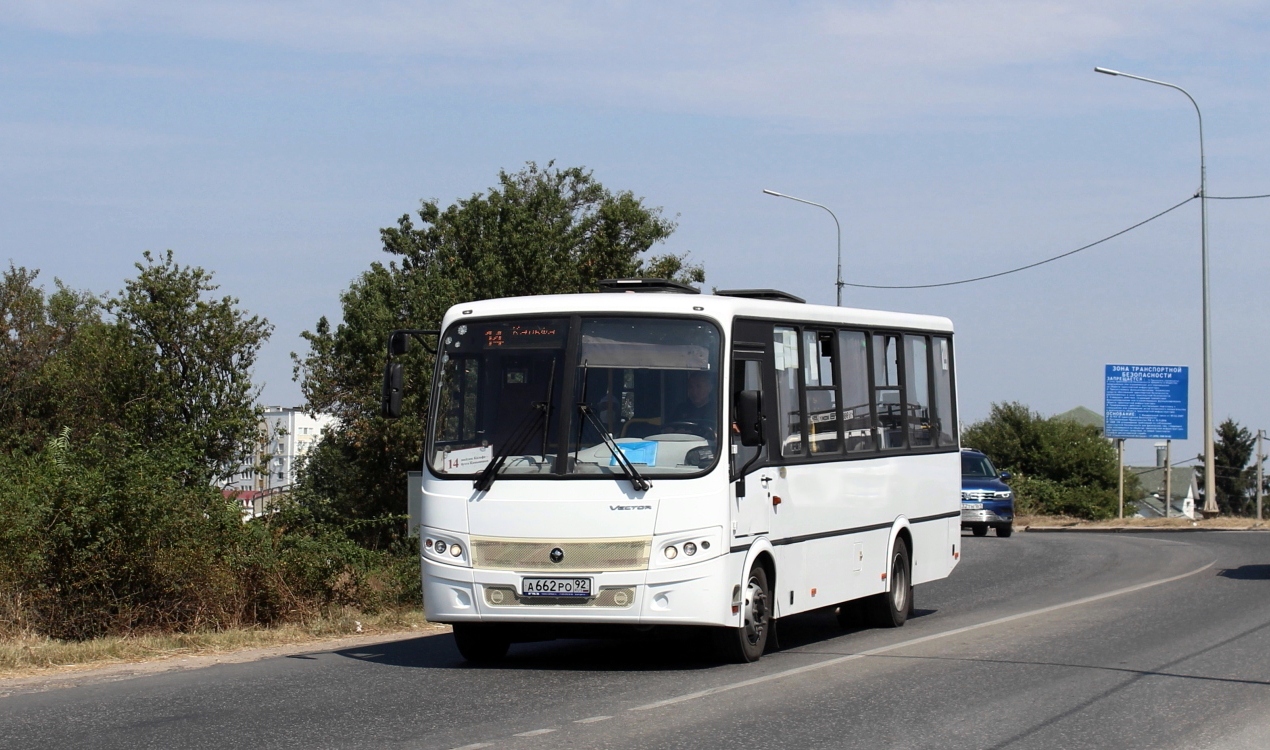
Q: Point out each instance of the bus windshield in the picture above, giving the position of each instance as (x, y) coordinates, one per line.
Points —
(651, 384)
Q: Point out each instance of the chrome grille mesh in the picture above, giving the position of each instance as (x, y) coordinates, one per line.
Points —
(579, 556)
(983, 495)
(506, 596)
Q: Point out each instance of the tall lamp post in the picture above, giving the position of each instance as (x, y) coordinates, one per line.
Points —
(1210, 488)
(838, 283)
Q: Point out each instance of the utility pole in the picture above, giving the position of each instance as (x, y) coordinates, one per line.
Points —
(1260, 458)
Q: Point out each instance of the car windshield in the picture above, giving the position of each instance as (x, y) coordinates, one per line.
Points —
(977, 467)
(650, 384)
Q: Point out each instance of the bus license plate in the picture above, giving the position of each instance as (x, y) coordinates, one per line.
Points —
(580, 587)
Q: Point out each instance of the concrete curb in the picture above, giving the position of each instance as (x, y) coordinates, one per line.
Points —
(1125, 529)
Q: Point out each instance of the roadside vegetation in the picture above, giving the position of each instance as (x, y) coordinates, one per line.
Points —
(33, 654)
(1059, 467)
(122, 415)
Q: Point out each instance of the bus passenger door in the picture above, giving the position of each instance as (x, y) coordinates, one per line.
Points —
(751, 475)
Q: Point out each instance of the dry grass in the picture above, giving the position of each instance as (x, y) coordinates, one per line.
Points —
(1220, 522)
(25, 654)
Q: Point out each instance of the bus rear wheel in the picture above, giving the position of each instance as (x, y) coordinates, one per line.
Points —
(746, 643)
(890, 609)
(481, 643)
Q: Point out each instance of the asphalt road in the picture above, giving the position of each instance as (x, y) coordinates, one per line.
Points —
(1051, 640)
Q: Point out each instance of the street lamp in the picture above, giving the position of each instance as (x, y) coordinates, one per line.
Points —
(1210, 488)
(838, 283)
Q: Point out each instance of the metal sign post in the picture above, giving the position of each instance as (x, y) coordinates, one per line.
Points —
(1168, 478)
(1120, 473)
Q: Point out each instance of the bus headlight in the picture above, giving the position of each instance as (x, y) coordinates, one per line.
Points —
(688, 547)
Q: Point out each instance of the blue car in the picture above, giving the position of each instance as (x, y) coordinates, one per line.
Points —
(986, 501)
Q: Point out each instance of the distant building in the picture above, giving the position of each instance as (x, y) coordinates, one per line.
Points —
(1184, 489)
(287, 434)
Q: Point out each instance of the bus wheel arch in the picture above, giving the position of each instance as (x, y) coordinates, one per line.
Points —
(892, 607)
(755, 606)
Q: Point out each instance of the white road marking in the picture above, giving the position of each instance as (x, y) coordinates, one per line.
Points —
(475, 746)
(533, 733)
(592, 719)
(904, 644)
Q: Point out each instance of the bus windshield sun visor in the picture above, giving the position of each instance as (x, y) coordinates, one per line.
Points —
(602, 352)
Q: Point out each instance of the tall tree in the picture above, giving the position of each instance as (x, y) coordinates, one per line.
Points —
(163, 363)
(34, 328)
(542, 230)
(1235, 480)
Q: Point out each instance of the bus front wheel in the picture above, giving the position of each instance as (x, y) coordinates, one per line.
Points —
(746, 643)
(481, 643)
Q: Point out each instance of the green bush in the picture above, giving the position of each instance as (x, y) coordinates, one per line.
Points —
(1038, 496)
(103, 541)
(1060, 467)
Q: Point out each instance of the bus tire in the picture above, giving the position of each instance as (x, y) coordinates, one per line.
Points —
(481, 643)
(890, 609)
(744, 644)
(1005, 530)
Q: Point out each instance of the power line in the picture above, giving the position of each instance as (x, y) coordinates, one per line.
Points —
(1056, 257)
(1030, 265)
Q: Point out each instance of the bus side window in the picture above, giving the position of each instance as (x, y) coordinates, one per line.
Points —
(822, 394)
(857, 409)
(887, 390)
(917, 377)
(944, 422)
(789, 420)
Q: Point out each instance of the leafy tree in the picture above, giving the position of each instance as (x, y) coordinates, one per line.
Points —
(192, 356)
(538, 231)
(1061, 467)
(1235, 479)
(115, 418)
(36, 328)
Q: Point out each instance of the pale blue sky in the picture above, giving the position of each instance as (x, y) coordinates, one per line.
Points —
(270, 141)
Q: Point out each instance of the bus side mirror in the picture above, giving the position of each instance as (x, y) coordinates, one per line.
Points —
(390, 399)
(398, 342)
(749, 415)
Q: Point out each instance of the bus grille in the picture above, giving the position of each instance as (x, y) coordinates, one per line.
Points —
(579, 556)
(506, 596)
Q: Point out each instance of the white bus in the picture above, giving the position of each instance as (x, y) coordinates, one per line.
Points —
(660, 457)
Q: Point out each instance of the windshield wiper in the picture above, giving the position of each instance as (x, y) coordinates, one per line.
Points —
(636, 479)
(526, 429)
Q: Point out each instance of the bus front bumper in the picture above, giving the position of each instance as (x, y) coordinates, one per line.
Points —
(695, 594)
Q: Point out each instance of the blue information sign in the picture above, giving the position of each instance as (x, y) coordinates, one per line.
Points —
(1145, 401)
